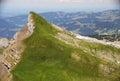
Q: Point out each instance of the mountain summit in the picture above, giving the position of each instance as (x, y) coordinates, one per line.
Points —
(42, 51)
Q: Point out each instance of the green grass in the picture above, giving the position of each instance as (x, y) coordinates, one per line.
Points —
(1, 51)
(48, 59)
(99, 47)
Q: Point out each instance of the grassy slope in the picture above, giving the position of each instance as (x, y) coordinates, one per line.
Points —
(1, 50)
(48, 59)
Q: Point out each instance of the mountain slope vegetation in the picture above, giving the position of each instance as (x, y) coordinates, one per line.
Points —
(49, 56)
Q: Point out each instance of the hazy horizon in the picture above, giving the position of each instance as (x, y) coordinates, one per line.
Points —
(15, 7)
(18, 13)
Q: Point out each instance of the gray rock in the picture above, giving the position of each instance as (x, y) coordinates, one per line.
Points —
(4, 42)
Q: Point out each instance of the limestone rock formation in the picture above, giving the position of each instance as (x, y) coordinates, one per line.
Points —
(4, 42)
(11, 54)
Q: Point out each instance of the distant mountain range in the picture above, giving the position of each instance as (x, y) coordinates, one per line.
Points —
(84, 23)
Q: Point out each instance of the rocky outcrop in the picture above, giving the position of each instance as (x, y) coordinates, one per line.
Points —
(11, 55)
(75, 39)
(107, 56)
(4, 42)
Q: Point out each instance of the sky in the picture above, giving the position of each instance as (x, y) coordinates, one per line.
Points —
(24, 6)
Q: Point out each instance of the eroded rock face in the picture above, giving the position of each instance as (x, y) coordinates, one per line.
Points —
(4, 42)
(26, 31)
(2, 71)
(30, 23)
(11, 55)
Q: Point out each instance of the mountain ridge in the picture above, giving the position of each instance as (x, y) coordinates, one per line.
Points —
(51, 53)
(11, 55)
